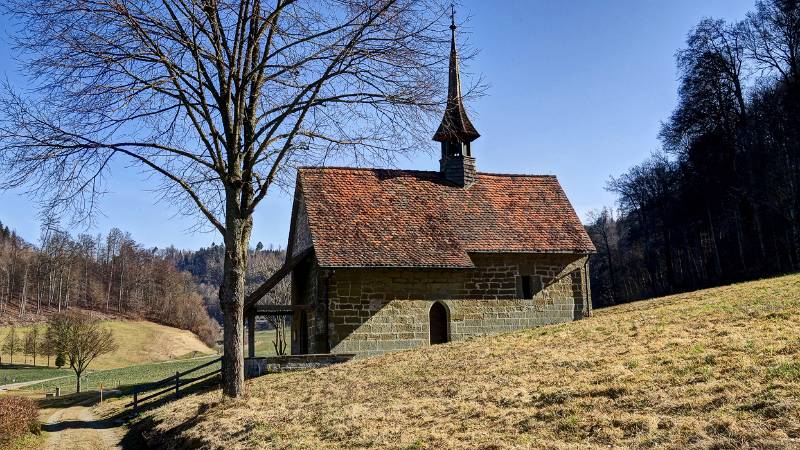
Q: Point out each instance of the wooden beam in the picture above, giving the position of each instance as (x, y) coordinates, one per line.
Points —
(265, 310)
(276, 277)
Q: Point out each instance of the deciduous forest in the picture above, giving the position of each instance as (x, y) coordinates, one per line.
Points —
(110, 274)
(114, 275)
(719, 202)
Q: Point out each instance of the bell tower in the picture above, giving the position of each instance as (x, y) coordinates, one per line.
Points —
(456, 132)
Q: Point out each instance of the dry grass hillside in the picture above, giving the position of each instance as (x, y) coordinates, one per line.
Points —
(711, 369)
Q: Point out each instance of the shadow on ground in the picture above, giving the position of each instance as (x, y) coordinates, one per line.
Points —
(135, 435)
(139, 436)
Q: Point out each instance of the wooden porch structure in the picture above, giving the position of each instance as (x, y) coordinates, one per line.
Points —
(253, 309)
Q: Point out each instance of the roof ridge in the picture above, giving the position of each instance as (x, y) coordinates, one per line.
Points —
(529, 175)
(373, 169)
(363, 169)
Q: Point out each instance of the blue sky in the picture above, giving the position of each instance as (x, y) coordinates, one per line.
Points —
(577, 89)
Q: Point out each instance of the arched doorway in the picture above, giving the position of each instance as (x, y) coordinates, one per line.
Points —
(438, 321)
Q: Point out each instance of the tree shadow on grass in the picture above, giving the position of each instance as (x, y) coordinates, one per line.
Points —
(141, 426)
(137, 434)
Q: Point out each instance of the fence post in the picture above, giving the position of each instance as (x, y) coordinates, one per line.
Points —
(135, 398)
(177, 383)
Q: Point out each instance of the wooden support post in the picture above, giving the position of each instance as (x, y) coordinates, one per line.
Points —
(251, 335)
(177, 383)
(135, 399)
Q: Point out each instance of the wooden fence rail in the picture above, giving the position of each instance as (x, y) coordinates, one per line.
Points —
(173, 383)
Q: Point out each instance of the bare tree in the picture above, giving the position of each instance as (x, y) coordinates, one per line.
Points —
(12, 342)
(218, 99)
(79, 338)
(33, 343)
(773, 39)
(601, 228)
(48, 346)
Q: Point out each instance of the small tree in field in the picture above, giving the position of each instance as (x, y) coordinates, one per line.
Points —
(12, 343)
(80, 339)
(32, 343)
(48, 345)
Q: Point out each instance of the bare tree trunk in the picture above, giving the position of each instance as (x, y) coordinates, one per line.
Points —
(121, 277)
(23, 299)
(667, 236)
(66, 296)
(2, 301)
(739, 238)
(86, 281)
(232, 295)
(110, 280)
(50, 287)
(60, 285)
(611, 268)
(717, 261)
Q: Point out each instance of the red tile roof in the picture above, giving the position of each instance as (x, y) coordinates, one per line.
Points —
(403, 218)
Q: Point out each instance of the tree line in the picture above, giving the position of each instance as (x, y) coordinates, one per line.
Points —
(206, 266)
(111, 273)
(74, 338)
(719, 202)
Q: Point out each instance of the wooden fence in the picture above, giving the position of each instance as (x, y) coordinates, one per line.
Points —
(171, 384)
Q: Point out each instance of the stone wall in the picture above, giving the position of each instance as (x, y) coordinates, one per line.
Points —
(256, 367)
(372, 311)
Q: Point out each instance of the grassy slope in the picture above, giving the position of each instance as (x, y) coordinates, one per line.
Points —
(139, 342)
(22, 374)
(714, 368)
(264, 345)
(126, 377)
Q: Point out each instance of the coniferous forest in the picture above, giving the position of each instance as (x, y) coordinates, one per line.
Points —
(720, 201)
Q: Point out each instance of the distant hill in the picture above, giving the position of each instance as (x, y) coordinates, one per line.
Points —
(709, 369)
(111, 275)
(205, 265)
(139, 342)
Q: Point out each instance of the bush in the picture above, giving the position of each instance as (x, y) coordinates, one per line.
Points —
(60, 362)
(18, 416)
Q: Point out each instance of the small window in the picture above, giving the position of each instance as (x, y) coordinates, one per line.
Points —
(530, 286)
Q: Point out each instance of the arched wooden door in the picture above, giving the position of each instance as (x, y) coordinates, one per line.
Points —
(438, 321)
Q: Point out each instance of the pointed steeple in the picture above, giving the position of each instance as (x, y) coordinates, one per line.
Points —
(456, 132)
(455, 126)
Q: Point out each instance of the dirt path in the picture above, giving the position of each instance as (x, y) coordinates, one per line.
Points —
(77, 428)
